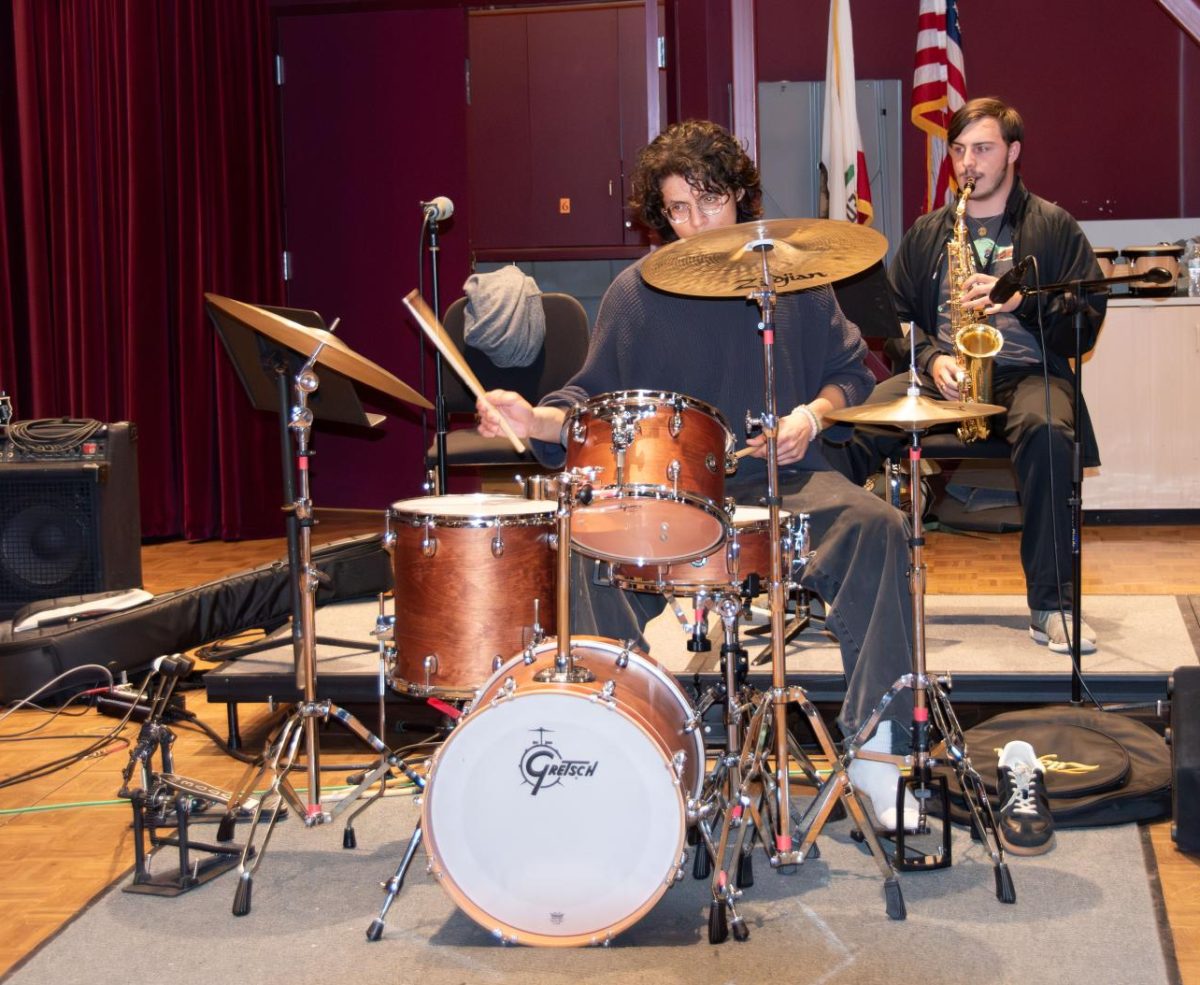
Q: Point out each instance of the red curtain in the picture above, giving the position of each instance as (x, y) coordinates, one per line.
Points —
(139, 169)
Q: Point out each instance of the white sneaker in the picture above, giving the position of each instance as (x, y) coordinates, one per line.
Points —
(878, 782)
(1053, 628)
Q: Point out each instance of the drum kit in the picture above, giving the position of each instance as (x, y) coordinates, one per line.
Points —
(564, 740)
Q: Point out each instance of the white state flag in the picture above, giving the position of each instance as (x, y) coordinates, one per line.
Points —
(843, 165)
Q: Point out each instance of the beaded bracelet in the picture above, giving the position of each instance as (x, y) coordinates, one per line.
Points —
(814, 425)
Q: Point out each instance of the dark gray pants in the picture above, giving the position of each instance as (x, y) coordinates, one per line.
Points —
(859, 570)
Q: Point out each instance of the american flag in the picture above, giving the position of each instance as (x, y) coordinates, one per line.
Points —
(939, 88)
(843, 164)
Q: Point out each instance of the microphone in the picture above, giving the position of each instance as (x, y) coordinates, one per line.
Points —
(438, 209)
(1009, 283)
(1157, 275)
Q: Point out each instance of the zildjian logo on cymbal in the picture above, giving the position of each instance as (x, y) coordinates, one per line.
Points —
(782, 280)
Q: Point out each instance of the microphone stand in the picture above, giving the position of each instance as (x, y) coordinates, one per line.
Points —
(1074, 294)
(439, 402)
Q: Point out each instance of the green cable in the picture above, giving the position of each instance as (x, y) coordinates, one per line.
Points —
(42, 808)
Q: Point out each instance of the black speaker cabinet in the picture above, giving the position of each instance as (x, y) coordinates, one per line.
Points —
(1185, 758)
(69, 523)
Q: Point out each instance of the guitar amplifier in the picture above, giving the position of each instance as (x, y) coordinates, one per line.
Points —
(69, 517)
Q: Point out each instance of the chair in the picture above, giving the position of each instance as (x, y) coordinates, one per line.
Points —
(561, 356)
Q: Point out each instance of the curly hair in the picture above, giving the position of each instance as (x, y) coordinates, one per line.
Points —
(707, 157)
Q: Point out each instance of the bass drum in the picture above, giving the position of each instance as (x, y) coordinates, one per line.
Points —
(587, 784)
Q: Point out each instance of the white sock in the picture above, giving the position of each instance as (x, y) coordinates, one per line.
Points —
(878, 781)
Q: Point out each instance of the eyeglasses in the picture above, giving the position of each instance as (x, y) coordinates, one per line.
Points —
(710, 203)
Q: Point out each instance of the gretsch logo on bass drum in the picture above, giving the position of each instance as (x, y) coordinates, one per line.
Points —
(543, 766)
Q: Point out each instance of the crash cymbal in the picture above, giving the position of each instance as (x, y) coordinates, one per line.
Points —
(913, 413)
(727, 262)
(334, 352)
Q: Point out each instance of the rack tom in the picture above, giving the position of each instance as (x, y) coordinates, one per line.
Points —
(747, 552)
(659, 492)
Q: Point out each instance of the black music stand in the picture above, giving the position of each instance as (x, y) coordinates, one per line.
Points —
(1074, 293)
(266, 370)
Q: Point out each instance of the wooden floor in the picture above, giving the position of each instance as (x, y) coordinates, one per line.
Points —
(64, 837)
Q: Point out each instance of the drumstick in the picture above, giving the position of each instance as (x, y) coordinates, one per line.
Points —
(437, 335)
(743, 452)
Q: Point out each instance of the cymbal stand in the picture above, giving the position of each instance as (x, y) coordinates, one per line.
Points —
(283, 748)
(573, 486)
(763, 794)
(931, 707)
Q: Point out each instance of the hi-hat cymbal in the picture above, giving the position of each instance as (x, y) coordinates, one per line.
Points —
(727, 262)
(913, 413)
(334, 352)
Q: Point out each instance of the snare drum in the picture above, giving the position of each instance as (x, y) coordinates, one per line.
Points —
(591, 782)
(747, 551)
(659, 494)
(473, 575)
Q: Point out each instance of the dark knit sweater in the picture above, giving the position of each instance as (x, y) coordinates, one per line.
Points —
(710, 350)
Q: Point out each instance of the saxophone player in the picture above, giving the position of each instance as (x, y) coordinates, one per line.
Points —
(1004, 223)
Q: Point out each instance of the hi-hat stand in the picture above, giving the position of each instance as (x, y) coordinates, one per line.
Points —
(914, 414)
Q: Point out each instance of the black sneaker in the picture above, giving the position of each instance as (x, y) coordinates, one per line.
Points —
(1024, 819)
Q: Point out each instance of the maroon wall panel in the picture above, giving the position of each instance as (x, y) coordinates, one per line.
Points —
(374, 121)
(1096, 80)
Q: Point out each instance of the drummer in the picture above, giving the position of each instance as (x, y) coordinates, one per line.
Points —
(694, 177)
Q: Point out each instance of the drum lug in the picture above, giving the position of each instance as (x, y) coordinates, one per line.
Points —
(430, 665)
(605, 694)
(733, 556)
(428, 541)
(497, 663)
(507, 690)
(678, 764)
(710, 463)
(676, 425)
(673, 472)
(623, 657)
(497, 542)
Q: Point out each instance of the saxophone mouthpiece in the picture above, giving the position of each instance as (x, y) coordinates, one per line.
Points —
(969, 184)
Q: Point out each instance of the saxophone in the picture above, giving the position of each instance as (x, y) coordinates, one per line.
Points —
(975, 341)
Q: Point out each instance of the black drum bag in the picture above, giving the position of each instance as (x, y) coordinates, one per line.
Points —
(1100, 767)
(259, 598)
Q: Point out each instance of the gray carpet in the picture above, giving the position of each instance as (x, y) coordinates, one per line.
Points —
(1136, 634)
(1084, 914)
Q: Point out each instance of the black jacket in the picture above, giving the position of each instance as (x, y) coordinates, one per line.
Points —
(1040, 229)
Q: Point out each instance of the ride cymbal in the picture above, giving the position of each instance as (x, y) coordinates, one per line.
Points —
(913, 413)
(727, 262)
(334, 352)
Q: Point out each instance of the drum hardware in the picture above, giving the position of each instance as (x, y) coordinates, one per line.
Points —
(165, 799)
(752, 793)
(931, 703)
(283, 747)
